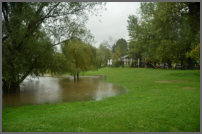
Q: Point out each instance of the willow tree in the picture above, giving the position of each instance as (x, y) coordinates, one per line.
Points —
(80, 56)
(30, 32)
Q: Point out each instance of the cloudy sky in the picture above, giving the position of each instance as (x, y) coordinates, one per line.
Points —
(113, 22)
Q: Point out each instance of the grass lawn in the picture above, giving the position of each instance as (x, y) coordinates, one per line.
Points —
(157, 100)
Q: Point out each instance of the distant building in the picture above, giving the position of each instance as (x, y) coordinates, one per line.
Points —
(109, 62)
(125, 59)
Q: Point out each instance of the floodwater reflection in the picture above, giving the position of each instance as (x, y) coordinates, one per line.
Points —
(62, 89)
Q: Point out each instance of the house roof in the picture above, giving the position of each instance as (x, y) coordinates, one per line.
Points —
(125, 56)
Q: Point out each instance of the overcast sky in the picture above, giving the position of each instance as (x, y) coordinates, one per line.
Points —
(113, 22)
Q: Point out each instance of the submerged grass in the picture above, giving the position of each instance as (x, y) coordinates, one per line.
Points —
(157, 100)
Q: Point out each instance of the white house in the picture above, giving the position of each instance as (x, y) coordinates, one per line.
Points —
(127, 61)
(109, 62)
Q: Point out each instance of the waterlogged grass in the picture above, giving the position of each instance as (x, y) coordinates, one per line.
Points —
(157, 100)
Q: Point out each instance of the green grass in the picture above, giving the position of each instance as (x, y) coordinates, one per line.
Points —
(157, 100)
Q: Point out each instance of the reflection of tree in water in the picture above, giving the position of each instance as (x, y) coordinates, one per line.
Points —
(78, 90)
(62, 89)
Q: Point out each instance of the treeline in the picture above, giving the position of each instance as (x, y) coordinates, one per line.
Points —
(166, 33)
(111, 50)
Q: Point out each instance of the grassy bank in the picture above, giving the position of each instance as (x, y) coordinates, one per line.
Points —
(157, 100)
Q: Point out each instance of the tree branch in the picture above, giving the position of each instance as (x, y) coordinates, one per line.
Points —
(5, 15)
(33, 25)
(59, 43)
(26, 74)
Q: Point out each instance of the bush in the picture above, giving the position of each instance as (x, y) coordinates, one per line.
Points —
(119, 64)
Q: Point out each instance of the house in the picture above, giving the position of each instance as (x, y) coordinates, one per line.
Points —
(125, 59)
(109, 62)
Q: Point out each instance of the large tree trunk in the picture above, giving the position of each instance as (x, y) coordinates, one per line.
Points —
(14, 85)
(10, 87)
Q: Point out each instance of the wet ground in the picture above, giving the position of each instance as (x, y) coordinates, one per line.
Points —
(62, 89)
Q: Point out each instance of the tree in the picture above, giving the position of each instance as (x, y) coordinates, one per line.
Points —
(195, 54)
(116, 56)
(30, 59)
(122, 44)
(79, 56)
(30, 32)
(165, 32)
(140, 46)
(103, 54)
(59, 64)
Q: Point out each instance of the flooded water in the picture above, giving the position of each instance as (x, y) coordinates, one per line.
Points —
(62, 89)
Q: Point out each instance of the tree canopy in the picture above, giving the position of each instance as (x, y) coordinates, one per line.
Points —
(165, 32)
(122, 45)
(79, 56)
(103, 54)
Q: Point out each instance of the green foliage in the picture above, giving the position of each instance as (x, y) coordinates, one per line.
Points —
(164, 33)
(30, 59)
(122, 45)
(59, 64)
(103, 54)
(118, 64)
(79, 56)
(195, 53)
(118, 50)
(116, 55)
(164, 51)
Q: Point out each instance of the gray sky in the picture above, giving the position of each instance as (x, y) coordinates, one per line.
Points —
(113, 22)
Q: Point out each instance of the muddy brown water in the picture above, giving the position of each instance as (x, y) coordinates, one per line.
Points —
(62, 89)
